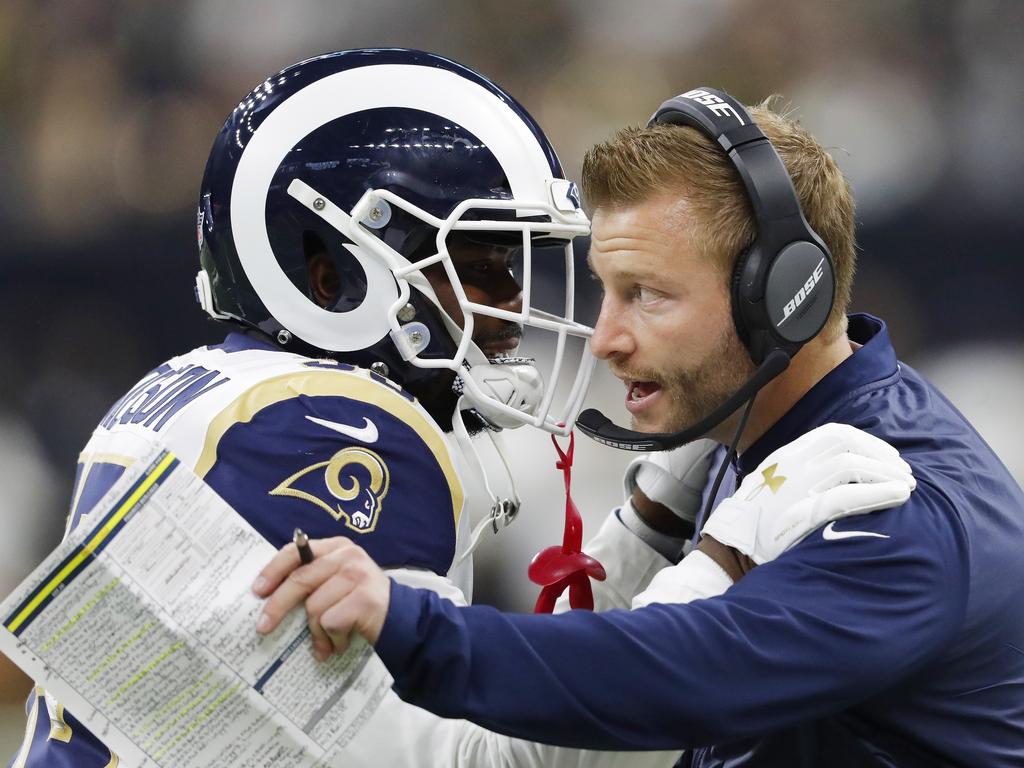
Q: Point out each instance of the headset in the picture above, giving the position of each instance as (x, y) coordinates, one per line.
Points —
(783, 284)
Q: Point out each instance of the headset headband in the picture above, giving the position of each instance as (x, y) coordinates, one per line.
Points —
(776, 207)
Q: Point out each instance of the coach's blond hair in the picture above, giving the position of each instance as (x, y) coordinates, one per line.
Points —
(638, 163)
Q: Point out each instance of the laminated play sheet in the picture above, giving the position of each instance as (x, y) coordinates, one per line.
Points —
(142, 623)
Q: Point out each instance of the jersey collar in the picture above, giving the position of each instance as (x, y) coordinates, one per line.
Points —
(873, 366)
(237, 341)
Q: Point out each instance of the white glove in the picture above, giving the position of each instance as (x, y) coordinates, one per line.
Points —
(826, 474)
(829, 473)
(674, 478)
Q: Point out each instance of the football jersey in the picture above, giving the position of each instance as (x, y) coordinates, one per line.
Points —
(288, 441)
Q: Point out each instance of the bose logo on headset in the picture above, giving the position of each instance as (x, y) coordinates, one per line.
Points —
(712, 102)
(803, 293)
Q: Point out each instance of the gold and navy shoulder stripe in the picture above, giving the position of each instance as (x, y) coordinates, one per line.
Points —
(354, 384)
(337, 452)
(106, 529)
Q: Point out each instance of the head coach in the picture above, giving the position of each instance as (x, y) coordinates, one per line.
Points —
(724, 240)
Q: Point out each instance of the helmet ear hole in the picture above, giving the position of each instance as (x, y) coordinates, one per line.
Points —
(324, 281)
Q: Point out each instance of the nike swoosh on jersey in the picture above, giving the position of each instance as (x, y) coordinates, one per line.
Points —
(365, 434)
(830, 534)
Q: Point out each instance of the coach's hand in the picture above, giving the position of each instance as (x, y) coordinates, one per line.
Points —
(344, 591)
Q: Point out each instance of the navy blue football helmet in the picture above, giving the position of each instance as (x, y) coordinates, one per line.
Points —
(377, 158)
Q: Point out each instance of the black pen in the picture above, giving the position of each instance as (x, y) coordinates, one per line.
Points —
(302, 544)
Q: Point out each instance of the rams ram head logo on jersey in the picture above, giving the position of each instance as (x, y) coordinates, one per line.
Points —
(357, 481)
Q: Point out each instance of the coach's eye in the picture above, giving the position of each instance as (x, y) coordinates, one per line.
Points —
(645, 295)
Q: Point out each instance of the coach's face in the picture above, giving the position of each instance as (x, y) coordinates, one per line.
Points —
(665, 326)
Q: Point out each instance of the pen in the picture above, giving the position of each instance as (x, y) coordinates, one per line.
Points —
(302, 544)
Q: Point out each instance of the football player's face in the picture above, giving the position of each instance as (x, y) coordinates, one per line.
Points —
(665, 326)
(486, 277)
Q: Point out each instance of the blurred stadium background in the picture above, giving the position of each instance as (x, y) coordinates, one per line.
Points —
(109, 108)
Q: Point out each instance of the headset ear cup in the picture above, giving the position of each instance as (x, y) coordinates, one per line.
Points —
(735, 291)
(798, 294)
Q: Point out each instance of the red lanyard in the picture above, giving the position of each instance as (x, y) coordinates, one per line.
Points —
(558, 567)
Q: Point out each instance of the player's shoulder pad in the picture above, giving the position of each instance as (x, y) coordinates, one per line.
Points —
(337, 450)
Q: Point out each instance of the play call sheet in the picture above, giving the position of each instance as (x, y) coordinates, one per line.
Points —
(142, 623)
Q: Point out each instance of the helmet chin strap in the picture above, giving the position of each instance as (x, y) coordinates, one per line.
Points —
(503, 509)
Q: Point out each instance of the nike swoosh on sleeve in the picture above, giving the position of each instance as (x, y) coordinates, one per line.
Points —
(830, 534)
(366, 434)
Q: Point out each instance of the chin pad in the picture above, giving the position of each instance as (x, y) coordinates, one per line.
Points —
(516, 385)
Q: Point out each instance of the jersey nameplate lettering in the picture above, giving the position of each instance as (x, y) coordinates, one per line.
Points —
(162, 394)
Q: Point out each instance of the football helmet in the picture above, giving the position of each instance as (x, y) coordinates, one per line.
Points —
(380, 158)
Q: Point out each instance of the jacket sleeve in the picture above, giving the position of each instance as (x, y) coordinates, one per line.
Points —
(828, 624)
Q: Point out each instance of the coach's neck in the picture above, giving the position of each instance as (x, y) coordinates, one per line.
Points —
(810, 365)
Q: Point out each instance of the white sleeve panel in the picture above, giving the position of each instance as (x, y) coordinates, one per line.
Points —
(401, 735)
(696, 577)
(629, 563)
(421, 578)
(405, 736)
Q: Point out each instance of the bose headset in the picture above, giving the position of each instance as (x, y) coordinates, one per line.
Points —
(783, 285)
